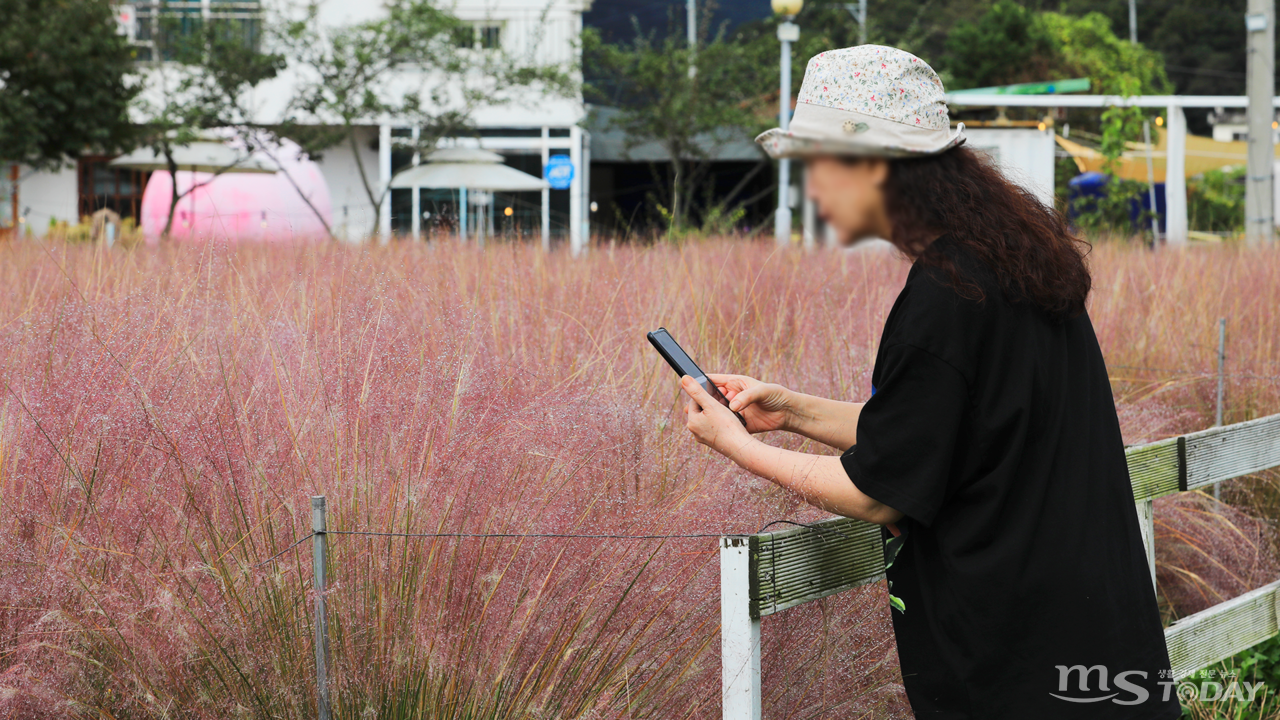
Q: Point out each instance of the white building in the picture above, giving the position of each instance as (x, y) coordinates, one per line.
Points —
(525, 133)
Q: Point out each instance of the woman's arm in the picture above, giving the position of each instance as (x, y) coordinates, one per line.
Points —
(830, 422)
(769, 406)
(820, 479)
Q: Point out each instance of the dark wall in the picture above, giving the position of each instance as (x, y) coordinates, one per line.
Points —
(625, 194)
(613, 17)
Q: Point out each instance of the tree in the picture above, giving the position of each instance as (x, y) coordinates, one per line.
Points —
(1202, 43)
(408, 65)
(64, 81)
(1007, 44)
(1088, 46)
(212, 67)
(688, 114)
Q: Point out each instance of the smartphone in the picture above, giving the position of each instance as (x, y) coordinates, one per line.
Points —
(680, 361)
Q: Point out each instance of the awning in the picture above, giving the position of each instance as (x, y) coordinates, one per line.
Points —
(1202, 154)
(201, 156)
(469, 168)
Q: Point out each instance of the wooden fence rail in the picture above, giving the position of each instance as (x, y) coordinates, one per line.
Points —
(768, 573)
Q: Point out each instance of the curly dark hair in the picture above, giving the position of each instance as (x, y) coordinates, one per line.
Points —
(1026, 244)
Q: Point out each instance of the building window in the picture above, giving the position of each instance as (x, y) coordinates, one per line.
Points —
(102, 186)
(160, 27)
(484, 37)
(464, 36)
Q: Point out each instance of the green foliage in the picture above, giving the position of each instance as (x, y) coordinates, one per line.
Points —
(1007, 44)
(1010, 43)
(1200, 42)
(1089, 48)
(688, 114)
(1260, 663)
(1215, 201)
(64, 86)
(1064, 170)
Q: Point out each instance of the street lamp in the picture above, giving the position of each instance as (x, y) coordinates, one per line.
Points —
(788, 32)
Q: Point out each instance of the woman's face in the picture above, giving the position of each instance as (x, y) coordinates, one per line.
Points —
(849, 197)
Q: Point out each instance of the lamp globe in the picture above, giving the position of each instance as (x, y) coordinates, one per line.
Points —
(787, 7)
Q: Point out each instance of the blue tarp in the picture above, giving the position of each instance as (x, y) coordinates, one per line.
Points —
(1089, 185)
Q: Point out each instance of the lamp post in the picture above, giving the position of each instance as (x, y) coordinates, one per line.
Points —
(788, 32)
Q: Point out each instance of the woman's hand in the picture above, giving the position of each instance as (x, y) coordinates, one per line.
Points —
(712, 424)
(765, 406)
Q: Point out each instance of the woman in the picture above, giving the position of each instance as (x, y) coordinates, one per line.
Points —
(990, 446)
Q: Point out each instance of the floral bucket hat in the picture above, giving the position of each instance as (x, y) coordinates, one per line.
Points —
(868, 100)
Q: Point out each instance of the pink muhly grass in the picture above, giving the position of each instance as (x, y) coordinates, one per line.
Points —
(1208, 552)
(167, 413)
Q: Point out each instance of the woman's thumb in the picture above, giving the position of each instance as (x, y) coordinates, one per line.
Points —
(743, 399)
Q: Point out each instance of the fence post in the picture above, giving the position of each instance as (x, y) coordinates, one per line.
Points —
(1147, 522)
(1222, 363)
(739, 632)
(319, 547)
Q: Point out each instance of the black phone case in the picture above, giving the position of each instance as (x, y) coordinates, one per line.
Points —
(693, 371)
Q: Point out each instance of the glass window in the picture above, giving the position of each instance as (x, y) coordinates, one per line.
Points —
(490, 36)
(164, 26)
(104, 186)
(464, 36)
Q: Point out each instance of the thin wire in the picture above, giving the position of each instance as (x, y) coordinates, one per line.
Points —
(1197, 373)
(296, 544)
(819, 528)
(523, 535)
(677, 536)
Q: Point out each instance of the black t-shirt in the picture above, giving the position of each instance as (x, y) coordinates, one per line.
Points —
(1024, 584)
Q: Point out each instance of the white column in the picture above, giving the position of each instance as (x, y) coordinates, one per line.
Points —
(739, 633)
(384, 180)
(586, 190)
(809, 220)
(546, 193)
(575, 190)
(415, 226)
(1175, 177)
(462, 214)
(1259, 212)
(788, 32)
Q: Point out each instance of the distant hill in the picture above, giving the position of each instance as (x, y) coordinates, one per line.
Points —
(613, 17)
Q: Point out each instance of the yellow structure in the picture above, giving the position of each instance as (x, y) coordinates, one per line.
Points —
(1202, 154)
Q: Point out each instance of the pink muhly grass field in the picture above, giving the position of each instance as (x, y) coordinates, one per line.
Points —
(167, 413)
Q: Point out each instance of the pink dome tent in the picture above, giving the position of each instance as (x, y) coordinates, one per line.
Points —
(258, 207)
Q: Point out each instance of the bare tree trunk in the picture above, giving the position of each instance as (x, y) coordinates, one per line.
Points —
(288, 176)
(173, 191)
(675, 195)
(376, 201)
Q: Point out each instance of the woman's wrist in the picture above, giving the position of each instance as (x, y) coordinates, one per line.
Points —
(799, 413)
(747, 455)
(743, 455)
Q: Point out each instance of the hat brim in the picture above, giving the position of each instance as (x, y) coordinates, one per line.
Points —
(779, 143)
(822, 130)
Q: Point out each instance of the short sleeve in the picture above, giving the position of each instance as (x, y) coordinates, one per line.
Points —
(907, 432)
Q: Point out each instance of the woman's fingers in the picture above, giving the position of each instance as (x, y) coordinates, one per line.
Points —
(736, 382)
(731, 385)
(743, 399)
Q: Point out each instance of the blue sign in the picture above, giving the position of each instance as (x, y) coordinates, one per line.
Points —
(559, 172)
